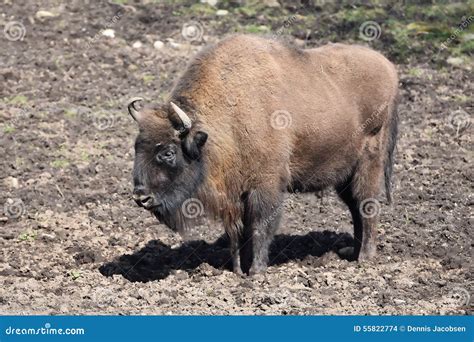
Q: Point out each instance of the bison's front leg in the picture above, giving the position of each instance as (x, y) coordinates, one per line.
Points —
(262, 215)
(233, 231)
(235, 254)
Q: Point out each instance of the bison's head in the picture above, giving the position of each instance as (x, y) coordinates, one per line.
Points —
(168, 167)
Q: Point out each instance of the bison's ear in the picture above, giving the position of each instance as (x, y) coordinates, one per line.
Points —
(192, 145)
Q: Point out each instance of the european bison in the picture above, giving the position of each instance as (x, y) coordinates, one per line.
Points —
(252, 118)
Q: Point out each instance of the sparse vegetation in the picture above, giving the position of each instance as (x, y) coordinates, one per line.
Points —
(28, 236)
(8, 129)
(75, 274)
(60, 163)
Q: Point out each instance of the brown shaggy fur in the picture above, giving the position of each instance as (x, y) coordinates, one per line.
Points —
(339, 105)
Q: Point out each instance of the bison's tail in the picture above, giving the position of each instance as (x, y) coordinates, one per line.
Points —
(392, 142)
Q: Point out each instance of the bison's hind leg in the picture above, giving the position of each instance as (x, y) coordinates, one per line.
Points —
(359, 192)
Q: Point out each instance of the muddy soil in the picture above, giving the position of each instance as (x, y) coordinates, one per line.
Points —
(72, 241)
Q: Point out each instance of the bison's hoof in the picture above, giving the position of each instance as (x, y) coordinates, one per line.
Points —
(366, 255)
(256, 269)
(238, 270)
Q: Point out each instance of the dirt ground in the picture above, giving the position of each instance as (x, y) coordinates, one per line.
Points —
(72, 241)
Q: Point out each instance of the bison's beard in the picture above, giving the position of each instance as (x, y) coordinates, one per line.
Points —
(176, 219)
(172, 203)
(173, 220)
(169, 212)
(176, 212)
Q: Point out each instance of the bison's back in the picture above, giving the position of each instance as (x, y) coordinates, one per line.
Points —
(276, 112)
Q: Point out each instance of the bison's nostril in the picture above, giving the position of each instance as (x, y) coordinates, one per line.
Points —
(145, 199)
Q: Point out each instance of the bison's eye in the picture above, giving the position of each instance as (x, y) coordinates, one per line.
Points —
(167, 156)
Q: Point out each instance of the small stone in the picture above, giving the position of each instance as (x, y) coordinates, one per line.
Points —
(209, 2)
(399, 301)
(108, 33)
(45, 14)
(222, 12)
(173, 44)
(181, 275)
(45, 175)
(271, 3)
(467, 37)
(11, 182)
(49, 237)
(137, 45)
(158, 44)
(455, 61)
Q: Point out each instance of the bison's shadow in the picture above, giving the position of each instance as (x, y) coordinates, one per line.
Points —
(156, 260)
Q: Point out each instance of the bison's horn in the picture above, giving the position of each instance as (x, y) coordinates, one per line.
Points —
(131, 107)
(187, 123)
